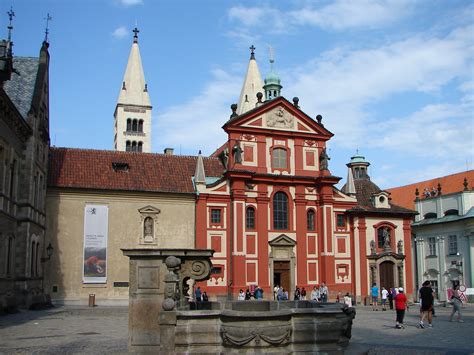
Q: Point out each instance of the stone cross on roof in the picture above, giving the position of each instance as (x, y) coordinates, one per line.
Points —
(252, 51)
(135, 37)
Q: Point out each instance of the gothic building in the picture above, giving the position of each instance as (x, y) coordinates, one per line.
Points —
(133, 110)
(24, 143)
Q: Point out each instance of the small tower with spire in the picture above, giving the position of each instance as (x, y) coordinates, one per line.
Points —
(272, 85)
(133, 110)
(357, 170)
(252, 85)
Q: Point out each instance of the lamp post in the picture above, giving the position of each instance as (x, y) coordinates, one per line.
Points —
(49, 253)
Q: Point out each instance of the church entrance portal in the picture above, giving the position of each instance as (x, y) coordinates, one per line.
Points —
(387, 274)
(281, 274)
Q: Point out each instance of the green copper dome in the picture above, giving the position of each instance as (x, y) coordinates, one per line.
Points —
(272, 78)
(358, 159)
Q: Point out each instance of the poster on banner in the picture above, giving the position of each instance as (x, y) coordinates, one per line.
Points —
(96, 221)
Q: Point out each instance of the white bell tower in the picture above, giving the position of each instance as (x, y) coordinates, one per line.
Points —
(133, 111)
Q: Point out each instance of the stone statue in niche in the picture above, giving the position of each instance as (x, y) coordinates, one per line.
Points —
(237, 152)
(386, 238)
(400, 247)
(372, 247)
(280, 118)
(324, 160)
(148, 225)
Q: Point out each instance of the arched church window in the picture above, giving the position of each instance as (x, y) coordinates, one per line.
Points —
(140, 146)
(250, 218)
(280, 211)
(279, 159)
(135, 126)
(129, 124)
(128, 146)
(310, 220)
(140, 126)
(134, 146)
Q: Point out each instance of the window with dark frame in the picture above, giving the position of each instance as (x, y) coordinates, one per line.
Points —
(341, 221)
(215, 215)
(432, 246)
(280, 211)
(310, 220)
(279, 158)
(250, 218)
(453, 245)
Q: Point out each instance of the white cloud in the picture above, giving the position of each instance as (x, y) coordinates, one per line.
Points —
(196, 124)
(120, 32)
(339, 15)
(131, 2)
(344, 85)
(249, 16)
(342, 14)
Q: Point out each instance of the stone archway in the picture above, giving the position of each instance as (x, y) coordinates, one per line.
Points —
(282, 263)
(387, 267)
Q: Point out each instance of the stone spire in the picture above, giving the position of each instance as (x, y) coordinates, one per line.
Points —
(134, 89)
(252, 85)
(133, 110)
(200, 174)
(349, 187)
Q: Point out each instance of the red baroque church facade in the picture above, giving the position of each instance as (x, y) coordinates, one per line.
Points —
(276, 217)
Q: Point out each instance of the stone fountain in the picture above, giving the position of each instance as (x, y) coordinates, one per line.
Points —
(160, 319)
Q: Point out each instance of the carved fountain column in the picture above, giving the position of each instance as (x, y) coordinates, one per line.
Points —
(156, 279)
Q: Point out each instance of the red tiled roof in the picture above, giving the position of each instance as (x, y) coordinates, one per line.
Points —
(92, 169)
(364, 191)
(405, 195)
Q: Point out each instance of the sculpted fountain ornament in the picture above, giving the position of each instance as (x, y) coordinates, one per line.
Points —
(160, 318)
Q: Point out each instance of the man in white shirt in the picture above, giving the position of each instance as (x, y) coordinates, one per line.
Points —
(384, 298)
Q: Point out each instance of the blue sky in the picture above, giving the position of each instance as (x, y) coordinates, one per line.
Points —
(393, 79)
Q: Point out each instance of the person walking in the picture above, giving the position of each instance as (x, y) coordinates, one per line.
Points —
(400, 307)
(323, 292)
(426, 298)
(384, 298)
(456, 301)
(375, 297)
(390, 298)
(275, 292)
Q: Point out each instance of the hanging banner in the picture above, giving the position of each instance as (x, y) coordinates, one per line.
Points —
(96, 221)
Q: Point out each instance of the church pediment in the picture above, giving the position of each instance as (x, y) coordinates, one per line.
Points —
(282, 241)
(278, 115)
(149, 210)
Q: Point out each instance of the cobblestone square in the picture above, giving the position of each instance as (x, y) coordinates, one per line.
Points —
(103, 330)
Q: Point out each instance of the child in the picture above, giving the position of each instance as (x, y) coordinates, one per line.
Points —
(400, 307)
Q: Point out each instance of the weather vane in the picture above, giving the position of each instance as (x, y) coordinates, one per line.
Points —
(46, 32)
(272, 56)
(10, 14)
